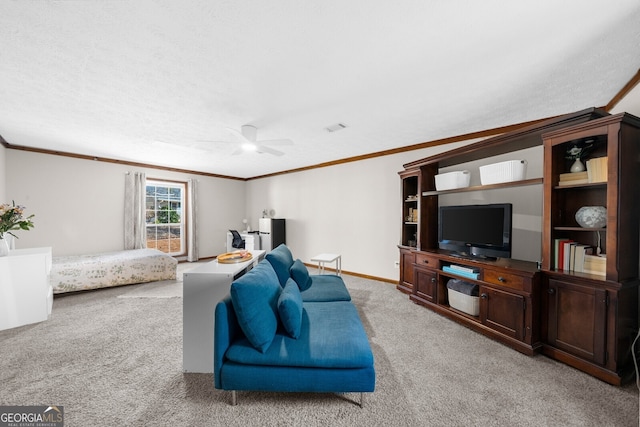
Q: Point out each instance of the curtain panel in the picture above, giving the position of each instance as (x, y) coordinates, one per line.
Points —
(135, 228)
(192, 221)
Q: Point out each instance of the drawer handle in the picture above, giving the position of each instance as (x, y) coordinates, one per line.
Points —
(426, 261)
(501, 279)
(484, 296)
(551, 291)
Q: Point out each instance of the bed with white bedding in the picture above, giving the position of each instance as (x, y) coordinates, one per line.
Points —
(82, 272)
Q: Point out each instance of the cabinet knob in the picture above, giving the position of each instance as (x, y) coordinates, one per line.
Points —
(433, 280)
(426, 261)
(501, 279)
(551, 291)
(484, 296)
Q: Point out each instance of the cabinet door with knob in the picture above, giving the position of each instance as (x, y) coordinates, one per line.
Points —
(425, 279)
(503, 311)
(426, 285)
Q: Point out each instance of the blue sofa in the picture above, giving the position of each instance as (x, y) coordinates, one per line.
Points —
(282, 329)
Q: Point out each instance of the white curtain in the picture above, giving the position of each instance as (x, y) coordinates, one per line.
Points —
(192, 221)
(135, 229)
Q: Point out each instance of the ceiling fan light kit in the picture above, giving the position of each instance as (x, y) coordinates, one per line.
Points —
(248, 137)
(248, 146)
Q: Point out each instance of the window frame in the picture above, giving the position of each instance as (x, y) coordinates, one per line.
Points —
(183, 225)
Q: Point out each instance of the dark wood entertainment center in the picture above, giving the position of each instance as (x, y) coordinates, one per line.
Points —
(588, 321)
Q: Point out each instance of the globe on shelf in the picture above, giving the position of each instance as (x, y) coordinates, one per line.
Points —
(592, 216)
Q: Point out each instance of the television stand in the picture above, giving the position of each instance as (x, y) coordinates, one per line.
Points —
(509, 291)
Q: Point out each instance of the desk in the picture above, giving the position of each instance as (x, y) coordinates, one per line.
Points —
(202, 288)
(324, 258)
(26, 296)
(251, 241)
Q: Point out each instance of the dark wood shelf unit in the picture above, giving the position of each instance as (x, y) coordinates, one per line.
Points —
(585, 320)
(605, 306)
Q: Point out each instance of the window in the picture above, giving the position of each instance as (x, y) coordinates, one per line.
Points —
(165, 217)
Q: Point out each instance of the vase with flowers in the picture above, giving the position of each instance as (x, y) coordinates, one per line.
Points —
(578, 151)
(12, 218)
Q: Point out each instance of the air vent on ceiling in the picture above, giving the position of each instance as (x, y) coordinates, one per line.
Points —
(336, 127)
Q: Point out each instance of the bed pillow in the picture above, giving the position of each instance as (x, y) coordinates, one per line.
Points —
(255, 299)
(290, 308)
(281, 261)
(300, 274)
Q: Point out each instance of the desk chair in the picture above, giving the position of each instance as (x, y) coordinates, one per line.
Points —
(238, 241)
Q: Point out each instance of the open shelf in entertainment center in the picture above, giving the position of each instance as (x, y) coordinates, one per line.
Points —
(533, 181)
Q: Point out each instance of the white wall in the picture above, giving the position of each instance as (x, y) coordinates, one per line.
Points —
(78, 204)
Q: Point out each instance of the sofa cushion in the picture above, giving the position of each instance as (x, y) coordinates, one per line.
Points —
(332, 336)
(290, 308)
(281, 260)
(300, 274)
(326, 287)
(255, 298)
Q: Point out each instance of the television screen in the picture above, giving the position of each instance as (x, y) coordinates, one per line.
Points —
(476, 230)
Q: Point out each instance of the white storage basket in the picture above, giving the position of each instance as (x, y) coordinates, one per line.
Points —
(511, 170)
(452, 180)
(465, 303)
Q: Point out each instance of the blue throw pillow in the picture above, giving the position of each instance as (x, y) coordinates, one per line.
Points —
(255, 299)
(300, 274)
(290, 308)
(281, 261)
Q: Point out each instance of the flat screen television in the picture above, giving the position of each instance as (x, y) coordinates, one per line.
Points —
(482, 231)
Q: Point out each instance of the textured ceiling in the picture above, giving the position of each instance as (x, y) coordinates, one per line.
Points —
(149, 81)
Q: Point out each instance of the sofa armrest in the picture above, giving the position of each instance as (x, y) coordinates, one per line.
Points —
(226, 329)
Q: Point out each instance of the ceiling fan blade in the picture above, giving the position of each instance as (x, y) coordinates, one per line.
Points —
(279, 142)
(265, 149)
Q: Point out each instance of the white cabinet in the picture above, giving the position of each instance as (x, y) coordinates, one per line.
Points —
(26, 296)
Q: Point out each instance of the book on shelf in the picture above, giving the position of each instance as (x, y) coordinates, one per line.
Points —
(448, 269)
(577, 258)
(572, 178)
(597, 169)
(473, 270)
(566, 255)
(412, 215)
(595, 264)
(558, 258)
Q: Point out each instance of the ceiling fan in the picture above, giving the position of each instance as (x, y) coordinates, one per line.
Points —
(249, 141)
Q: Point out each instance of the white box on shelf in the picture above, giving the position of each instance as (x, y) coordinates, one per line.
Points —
(465, 303)
(452, 180)
(511, 170)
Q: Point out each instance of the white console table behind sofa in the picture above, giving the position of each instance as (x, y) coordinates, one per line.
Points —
(202, 288)
(26, 296)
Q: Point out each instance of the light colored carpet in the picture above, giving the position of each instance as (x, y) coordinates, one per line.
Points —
(161, 289)
(114, 357)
